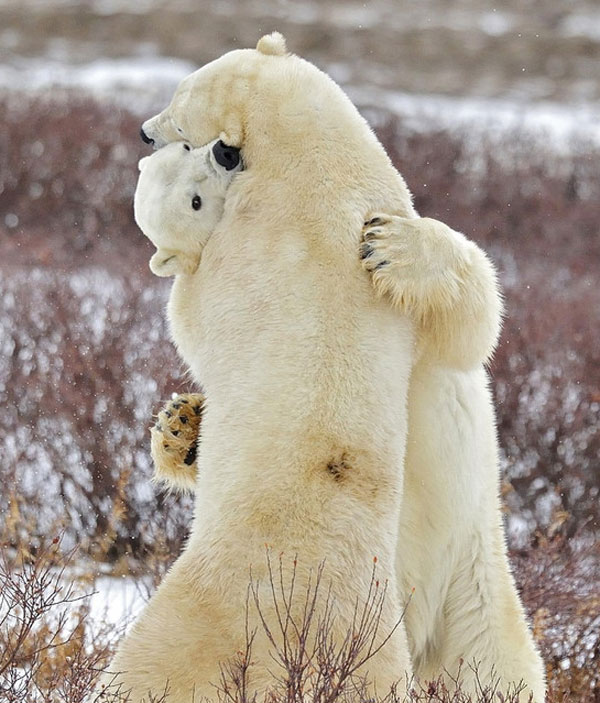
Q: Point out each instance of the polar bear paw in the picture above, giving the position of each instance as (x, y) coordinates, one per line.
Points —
(376, 241)
(444, 282)
(403, 259)
(174, 440)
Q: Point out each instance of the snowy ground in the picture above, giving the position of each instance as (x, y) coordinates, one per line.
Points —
(145, 85)
(531, 65)
(519, 50)
(116, 601)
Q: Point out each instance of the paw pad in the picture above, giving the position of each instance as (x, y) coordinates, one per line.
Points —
(174, 440)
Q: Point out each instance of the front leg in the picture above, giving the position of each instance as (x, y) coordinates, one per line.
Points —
(439, 278)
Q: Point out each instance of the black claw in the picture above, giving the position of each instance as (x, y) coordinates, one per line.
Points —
(176, 406)
(381, 264)
(168, 414)
(174, 433)
(365, 250)
(371, 234)
(190, 457)
(374, 221)
(183, 400)
(183, 420)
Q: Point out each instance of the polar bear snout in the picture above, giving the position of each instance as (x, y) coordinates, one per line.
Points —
(156, 133)
(226, 156)
(145, 138)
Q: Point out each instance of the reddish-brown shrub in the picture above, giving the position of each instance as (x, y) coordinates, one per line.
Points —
(85, 357)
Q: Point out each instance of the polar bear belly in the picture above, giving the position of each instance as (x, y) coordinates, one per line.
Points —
(306, 379)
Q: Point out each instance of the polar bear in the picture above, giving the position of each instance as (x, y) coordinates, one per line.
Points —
(194, 181)
(466, 620)
(306, 370)
(451, 549)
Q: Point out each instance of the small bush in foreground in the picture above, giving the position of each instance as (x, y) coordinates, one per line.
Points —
(52, 649)
(49, 649)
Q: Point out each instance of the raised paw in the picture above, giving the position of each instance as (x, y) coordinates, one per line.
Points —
(410, 260)
(390, 243)
(174, 441)
(441, 280)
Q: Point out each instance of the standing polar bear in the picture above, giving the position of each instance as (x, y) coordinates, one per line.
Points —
(306, 370)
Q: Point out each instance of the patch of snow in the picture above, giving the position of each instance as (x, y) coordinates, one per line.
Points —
(135, 82)
(557, 123)
(518, 530)
(113, 7)
(115, 600)
(496, 23)
(143, 83)
(582, 25)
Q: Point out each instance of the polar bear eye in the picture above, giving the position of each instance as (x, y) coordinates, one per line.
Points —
(186, 147)
(196, 202)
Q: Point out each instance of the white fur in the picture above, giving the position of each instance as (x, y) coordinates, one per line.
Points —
(169, 180)
(451, 547)
(303, 364)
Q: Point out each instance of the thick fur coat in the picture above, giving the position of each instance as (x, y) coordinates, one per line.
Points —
(310, 362)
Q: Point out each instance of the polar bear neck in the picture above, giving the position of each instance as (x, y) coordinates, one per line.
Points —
(316, 132)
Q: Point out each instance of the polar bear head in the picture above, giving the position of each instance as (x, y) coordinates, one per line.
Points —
(213, 101)
(179, 201)
(294, 124)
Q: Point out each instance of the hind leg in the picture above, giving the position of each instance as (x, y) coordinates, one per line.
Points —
(451, 545)
(485, 624)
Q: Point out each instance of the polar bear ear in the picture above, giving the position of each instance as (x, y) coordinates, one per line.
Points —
(141, 162)
(272, 44)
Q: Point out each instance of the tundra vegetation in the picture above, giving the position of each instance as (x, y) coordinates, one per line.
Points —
(86, 361)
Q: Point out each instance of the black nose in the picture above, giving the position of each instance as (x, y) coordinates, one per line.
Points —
(145, 138)
(226, 156)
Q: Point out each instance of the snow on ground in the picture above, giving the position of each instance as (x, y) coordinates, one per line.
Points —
(146, 84)
(45, 312)
(116, 601)
(137, 83)
(561, 123)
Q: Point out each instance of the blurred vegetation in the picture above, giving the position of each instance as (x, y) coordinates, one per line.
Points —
(85, 358)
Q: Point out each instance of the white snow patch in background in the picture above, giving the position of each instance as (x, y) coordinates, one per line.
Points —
(518, 530)
(427, 112)
(116, 600)
(146, 83)
(582, 25)
(496, 23)
(134, 82)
